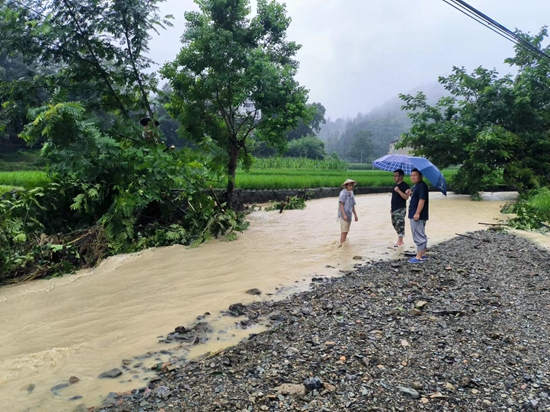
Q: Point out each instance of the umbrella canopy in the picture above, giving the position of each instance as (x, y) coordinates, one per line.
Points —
(407, 163)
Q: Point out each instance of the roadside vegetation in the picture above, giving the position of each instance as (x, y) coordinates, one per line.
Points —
(532, 211)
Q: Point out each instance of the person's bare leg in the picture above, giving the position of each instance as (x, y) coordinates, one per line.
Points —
(343, 236)
(399, 241)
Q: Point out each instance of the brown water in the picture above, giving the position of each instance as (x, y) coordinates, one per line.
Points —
(85, 324)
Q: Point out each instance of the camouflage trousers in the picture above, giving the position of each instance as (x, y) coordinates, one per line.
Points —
(398, 221)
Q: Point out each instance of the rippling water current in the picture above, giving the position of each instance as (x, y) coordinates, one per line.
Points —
(84, 324)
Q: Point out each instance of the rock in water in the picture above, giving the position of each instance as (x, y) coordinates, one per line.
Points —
(58, 387)
(237, 309)
(113, 373)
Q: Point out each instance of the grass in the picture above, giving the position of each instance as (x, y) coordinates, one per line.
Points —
(27, 179)
(541, 201)
(360, 166)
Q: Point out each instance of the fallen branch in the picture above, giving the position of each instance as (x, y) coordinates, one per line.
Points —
(216, 199)
(470, 237)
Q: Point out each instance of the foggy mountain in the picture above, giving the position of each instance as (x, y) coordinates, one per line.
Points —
(382, 125)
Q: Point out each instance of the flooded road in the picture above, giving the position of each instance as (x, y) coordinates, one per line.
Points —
(85, 324)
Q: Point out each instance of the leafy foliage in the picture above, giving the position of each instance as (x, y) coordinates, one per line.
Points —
(112, 194)
(97, 47)
(489, 125)
(310, 147)
(110, 189)
(310, 124)
(234, 77)
(532, 210)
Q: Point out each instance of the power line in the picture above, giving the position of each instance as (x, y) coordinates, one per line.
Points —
(496, 27)
(480, 21)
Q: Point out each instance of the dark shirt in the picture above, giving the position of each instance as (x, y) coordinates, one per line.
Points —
(420, 191)
(397, 202)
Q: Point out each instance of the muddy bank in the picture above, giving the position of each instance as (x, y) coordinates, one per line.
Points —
(467, 330)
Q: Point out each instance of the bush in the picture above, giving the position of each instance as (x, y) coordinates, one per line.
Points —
(532, 209)
(105, 197)
(310, 147)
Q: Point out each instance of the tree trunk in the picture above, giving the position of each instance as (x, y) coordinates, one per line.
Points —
(232, 169)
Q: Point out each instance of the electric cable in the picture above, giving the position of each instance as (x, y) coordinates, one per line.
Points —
(496, 27)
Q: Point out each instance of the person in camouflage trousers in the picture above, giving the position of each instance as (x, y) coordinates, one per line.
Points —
(399, 206)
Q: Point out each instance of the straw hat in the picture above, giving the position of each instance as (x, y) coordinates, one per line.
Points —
(348, 181)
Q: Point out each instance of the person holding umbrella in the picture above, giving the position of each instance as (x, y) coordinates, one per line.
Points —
(346, 206)
(418, 215)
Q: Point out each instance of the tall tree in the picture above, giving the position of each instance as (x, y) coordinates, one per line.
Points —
(310, 125)
(98, 46)
(490, 125)
(361, 145)
(234, 76)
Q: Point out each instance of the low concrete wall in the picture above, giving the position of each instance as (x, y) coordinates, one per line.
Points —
(263, 196)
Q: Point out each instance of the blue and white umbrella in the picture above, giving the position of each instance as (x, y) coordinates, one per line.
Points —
(407, 163)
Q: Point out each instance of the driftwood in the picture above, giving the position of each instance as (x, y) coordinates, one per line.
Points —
(492, 224)
(474, 238)
(470, 237)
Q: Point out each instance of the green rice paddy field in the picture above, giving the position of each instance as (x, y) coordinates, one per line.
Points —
(297, 179)
(255, 179)
(25, 179)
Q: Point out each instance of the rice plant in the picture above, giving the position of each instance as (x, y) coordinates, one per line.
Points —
(25, 179)
(296, 163)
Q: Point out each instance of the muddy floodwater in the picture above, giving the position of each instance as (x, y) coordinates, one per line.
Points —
(85, 324)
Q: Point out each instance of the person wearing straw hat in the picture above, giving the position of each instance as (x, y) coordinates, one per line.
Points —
(346, 207)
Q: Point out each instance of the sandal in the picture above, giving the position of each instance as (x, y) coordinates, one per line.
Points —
(415, 260)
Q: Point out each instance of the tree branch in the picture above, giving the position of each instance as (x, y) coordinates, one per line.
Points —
(134, 68)
(96, 62)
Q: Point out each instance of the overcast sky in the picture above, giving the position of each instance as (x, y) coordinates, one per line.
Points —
(357, 54)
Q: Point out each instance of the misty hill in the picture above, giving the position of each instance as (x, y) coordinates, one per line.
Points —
(385, 123)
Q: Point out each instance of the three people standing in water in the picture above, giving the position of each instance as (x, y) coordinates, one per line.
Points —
(418, 210)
